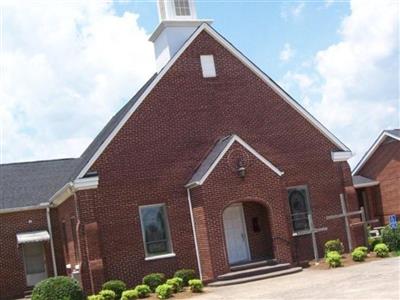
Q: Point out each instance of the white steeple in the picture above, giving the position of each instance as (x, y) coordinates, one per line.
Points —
(178, 20)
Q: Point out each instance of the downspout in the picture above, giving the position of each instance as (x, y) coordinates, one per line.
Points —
(78, 225)
(53, 254)
(194, 234)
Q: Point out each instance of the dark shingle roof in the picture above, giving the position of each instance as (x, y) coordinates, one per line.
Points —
(32, 183)
(360, 181)
(210, 159)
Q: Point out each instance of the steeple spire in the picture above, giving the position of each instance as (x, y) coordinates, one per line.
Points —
(178, 20)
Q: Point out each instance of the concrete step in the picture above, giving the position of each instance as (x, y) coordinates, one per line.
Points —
(254, 264)
(255, 277)
(253, 271)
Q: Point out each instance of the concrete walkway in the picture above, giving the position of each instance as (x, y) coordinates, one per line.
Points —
(373, 280)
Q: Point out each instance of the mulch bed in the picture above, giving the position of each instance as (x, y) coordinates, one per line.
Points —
(347, 261)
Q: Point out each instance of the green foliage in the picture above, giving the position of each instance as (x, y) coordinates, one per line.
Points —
(60, 287)
(108, 295)
(117, 286)
(130, 295)
(196, 285)
(373, 241)
(333, 258)
(186, 275)
(176, 283)
(164, 291)
(362, 249)
(358, 255)
(334, 245)
(391, 237)
(143, 290)
(381, 250)
(95, 297)
(154, 280)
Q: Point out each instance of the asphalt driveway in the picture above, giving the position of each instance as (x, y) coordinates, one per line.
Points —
(370, 280)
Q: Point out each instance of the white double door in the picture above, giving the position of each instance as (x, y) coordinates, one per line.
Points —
(235, 234)
(35, 263)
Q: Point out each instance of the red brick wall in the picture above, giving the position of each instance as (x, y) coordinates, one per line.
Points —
(384, 166)
(260, 240)
(164, 141)
(12, 270)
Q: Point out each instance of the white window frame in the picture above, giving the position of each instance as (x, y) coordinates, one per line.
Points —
(149, 256)
(208, 66)
(308, 204)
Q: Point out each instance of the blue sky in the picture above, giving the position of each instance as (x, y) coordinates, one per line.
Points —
(68, 66)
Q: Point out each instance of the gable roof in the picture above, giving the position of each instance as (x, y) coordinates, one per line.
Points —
(217, 153)
(32, 183)
(98, 147)
(393, 133)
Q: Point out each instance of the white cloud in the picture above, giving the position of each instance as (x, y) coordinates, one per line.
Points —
(359, 79)
(286, 53)
(292, 11)
(66, 68)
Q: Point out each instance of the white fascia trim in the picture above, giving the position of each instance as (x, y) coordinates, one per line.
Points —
(244, 60)
(341, 156)
(24, 208)
(176, 23)
(368, 184)
(221, 155)
(372, 150)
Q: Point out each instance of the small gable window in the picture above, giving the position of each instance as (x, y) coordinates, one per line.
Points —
(299, 208)
(182, 7)
(155, 230)
(208, 66)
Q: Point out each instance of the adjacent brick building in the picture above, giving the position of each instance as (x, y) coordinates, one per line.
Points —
(377, 177)
(211, 164)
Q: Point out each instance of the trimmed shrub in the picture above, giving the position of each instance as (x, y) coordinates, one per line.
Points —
(143, 290)
(117, 286)
(60, 287)
(333, 258)
(391, 237)
(95, 297)
(107, 295)
(130, 295)
(196, 285)
(381, 250)
(363, 249)
(358, 255)
(176, 283)
(186, 275)
(154, 280)
(373, 241)
(164, 291)
(334, 245)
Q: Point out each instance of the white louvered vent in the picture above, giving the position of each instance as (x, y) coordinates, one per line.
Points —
(208, 66)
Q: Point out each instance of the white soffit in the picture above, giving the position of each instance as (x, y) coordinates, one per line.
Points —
(33, 237)
(246, 62)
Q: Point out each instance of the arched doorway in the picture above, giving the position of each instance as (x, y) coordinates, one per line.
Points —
(247, 233)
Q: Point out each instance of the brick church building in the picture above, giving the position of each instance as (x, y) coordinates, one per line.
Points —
(210, 165)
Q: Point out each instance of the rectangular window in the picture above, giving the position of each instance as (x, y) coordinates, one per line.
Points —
(155, 230)
(208, 66)
(182, 7)
(299, 208)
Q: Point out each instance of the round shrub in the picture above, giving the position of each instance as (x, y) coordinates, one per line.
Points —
(143, 290)
(358, 255)
(117, 286)
(381, 250)
(130, 295)
(186, 275)
(107, 295)
(176, 283)
(196, 285)
(334, 245)
(391, 237)
(60, 287)
(154, 280)
(373, 241)
(333, 258)
(164, 291)
(362, 249)
(95, 297)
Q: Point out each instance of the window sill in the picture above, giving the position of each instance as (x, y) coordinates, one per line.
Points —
(169, 255)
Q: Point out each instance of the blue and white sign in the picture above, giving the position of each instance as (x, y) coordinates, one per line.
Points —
(393, 221)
